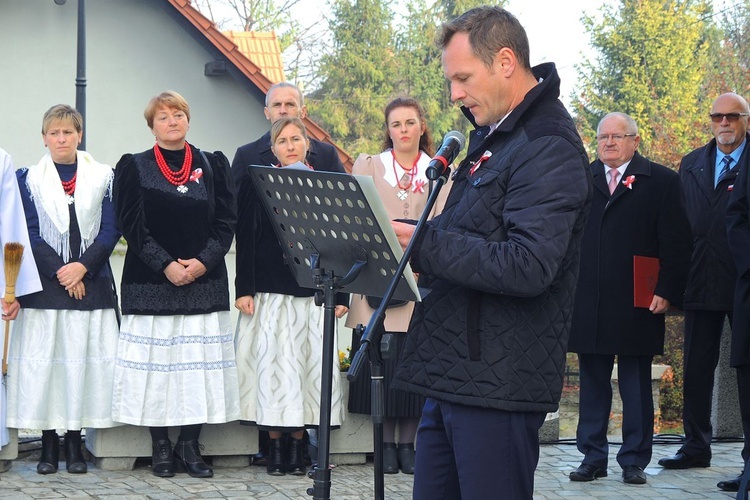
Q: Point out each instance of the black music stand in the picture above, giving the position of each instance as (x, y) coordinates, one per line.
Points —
(336, 236)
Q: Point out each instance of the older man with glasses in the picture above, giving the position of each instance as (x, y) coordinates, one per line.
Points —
(637, 216)
(708, 175)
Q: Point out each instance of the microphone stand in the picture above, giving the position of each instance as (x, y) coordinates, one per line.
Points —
(372, 337)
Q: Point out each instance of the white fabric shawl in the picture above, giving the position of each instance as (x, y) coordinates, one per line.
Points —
(93, 183)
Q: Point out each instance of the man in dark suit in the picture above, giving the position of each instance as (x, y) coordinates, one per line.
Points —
(707, 175)
(282, 99)
(738, 225)
(637, 209)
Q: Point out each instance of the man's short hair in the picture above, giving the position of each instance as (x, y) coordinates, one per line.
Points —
(630, 126)
(490, 29)
(286, 84)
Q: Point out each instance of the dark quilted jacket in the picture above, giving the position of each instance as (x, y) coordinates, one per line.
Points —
(502, 263)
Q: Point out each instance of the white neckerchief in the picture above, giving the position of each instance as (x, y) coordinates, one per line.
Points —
(390, 176)
(93, 183)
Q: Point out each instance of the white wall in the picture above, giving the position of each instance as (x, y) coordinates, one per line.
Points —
(135, 50)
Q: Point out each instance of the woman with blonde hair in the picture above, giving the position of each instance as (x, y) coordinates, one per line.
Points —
(60, 368)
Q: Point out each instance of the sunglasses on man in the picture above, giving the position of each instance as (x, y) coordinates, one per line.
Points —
(731, 117)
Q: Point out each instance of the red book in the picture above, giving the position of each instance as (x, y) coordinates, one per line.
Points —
(645, 276)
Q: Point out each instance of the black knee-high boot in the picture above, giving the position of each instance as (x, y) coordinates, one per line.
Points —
(50, 453)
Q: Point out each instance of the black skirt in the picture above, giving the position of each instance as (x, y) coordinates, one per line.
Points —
(398, 404)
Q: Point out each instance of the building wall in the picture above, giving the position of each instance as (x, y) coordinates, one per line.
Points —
(135, 50)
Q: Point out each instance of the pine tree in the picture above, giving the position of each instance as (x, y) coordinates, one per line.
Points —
(358, 76)
(652, 64)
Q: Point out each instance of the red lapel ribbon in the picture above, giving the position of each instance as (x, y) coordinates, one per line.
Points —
(486, 156)
(195, 175)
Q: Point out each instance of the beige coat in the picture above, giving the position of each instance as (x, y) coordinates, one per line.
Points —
(380, 168)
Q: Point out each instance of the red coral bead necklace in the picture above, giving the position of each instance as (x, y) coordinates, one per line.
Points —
(179, 177)
(70, 186)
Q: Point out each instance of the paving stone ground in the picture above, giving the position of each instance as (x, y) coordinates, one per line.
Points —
(351, 482)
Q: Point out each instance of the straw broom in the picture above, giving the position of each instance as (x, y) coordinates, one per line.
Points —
(13, 255)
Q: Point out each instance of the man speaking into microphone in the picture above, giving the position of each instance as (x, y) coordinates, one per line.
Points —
(487, 345)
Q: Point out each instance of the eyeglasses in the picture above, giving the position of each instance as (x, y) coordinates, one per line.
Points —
(731, 117)
(615, 137)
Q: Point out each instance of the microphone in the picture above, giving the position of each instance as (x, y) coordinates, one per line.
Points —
(453, 143)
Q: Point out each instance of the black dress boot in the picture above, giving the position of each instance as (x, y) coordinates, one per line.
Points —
(296, 456)
(50, 453)
(276, 460)
(390, 458)
(406, 457)
(162, 458)
(74, 461)
(187, 455)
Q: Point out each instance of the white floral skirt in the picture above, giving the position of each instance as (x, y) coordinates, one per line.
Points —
(176, 370)
(279, 359)
(60, 369)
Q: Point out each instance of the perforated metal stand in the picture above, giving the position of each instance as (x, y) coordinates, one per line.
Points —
(333, 241)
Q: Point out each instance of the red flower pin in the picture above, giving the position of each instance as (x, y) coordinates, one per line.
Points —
(628, 182)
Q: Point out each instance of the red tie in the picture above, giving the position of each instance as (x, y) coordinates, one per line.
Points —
(613, 175)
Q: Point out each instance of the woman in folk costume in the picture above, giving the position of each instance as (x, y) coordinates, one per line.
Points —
(399, 173)
(175, 360)
(65, 338)
(280, 331)
(13, 230)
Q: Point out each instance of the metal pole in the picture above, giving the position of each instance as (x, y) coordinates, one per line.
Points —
(81, 67)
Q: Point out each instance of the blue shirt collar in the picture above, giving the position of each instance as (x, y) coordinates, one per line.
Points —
(720, 159)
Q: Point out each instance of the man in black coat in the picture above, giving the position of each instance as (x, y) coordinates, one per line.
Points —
(487, 345)
(710, 287)
(738, 224)
(282, 99)
(637, 210)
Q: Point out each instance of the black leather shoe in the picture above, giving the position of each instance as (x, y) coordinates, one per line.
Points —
(187, 456)
(276, 465)
(406, 457)
(587, 472)
(632, 474)
(730, 484)
(390, 458)
(162, 458)
(684, 461)
(74, 461)
(50, 453)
